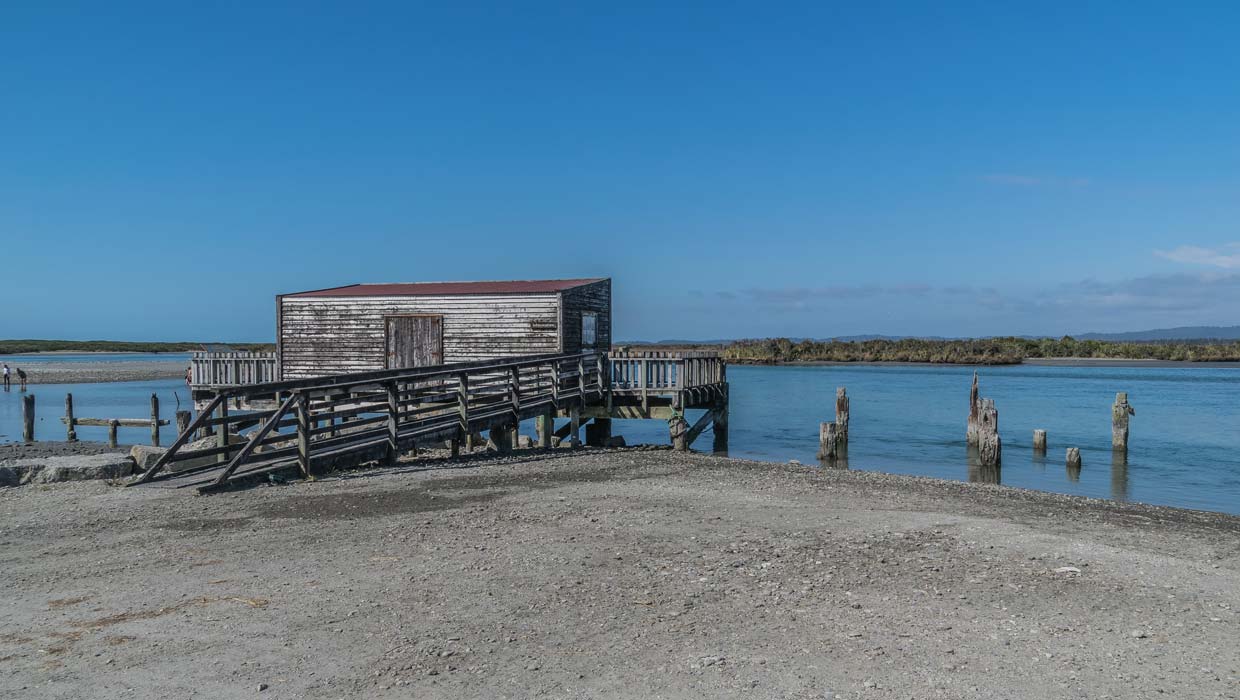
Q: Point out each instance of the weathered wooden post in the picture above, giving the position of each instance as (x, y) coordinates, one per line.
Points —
(154, 420)
(28, 418)
(545, 426)
(112, 426)
(1074, 458)
(1119, 421)
(501, 437)
(1039, 441)
(990, 447)
(720, 427)
(598, 432)
(971, 434)
(70, 426)
(841, 413)
(393, 423)
(574, 421)
(678, 428)
(183, 418)
(828, 441)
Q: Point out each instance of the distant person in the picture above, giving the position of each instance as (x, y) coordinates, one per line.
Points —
(8, 379)
(189, 376)
(21, 377)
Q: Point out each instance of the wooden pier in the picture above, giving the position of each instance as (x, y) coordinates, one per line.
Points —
(347, 420)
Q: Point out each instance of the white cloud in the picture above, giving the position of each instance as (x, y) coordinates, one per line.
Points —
(1227, 257)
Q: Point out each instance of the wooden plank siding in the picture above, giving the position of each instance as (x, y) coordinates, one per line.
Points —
(338, 335)
(594, 297)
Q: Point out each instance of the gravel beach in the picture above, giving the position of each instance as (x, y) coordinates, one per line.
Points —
(52, 372)
(612, 574)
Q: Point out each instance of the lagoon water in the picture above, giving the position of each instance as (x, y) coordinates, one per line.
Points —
(907, 419)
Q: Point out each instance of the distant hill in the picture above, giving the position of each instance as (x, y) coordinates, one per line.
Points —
(1179, 333)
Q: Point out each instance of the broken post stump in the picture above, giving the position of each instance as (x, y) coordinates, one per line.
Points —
(183, 419)
(1120, 413)
(1074, 458)
(112, 426)
(70, 425)
(828, 441)
(1039, 441)
(678, 428)
(990, 447)
(841, 413)
(28, 418)
(970, 434)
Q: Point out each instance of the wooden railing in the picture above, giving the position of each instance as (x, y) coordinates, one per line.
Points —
(667, 371)
(351, 418)
(233, 367)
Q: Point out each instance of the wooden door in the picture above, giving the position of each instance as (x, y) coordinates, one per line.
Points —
(414, 341)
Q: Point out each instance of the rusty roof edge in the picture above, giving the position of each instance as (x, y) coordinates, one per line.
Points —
(576, 282)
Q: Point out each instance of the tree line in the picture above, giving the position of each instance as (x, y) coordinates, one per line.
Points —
(11, 347)
(986, 351)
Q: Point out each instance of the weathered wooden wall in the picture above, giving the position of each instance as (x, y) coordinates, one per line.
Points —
(594, 297)
(335, 335)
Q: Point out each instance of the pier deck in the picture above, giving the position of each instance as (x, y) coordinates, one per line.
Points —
(346, 420)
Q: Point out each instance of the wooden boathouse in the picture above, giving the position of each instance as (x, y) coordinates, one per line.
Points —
(370, 371)
(367, 327)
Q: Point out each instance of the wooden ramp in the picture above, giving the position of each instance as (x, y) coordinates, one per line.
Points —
(352, 419)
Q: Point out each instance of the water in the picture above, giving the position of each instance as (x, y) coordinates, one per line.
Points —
(1184, 448)
(106, 400)
(907, 419)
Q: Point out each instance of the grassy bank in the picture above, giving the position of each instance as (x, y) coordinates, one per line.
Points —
(986, 351)
(12, 347)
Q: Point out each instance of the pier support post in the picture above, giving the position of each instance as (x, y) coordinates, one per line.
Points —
(1039, 441)
(1120, 413)
(971, 433)
(545, 426)
(70, 426)
(720, 427)
(841, 413)
(1074, 458)
(501, 437)
(112, 426)
(990, 447)
(183, 418)
(28, 418)
(678, 429)
(154, 420)
(828, 441)
(598, 431)
(574, 431)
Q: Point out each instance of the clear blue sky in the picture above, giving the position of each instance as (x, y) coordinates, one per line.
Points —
(751, 170)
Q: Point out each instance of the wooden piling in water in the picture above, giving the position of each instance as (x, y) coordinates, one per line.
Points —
(1039, 441)
(28, 418)
(154, 420)
(112, 426)
(70, 425)
(841, 413)
(828, 441)
(1120, 413)
(183, 418)
(971, 434)
(990, 447)
(1074, 458)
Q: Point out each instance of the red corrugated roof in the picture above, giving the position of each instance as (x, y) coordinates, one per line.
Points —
(446, 288)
